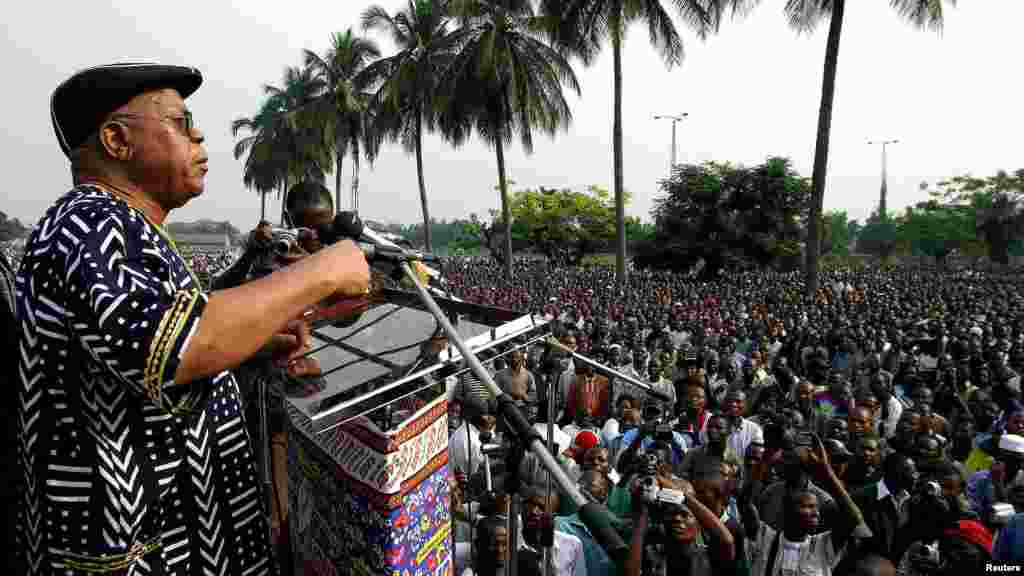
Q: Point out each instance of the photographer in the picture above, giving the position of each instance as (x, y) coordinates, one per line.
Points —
(935, 507)
(674, 533)
(309, 204)
(654, 429)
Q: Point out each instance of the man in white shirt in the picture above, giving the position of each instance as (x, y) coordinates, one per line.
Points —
(464, 442)
(744, 431)
(567, 552)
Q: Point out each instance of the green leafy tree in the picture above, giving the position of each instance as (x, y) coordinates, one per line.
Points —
(998, 206)
(805, 16)
(836, 233)
(935, 229)
(853, 229)
(879, 236)
(721, 213)
(565, 224)
(342, 107)
(583, 27)
(505, 81)
(639, 232)
(406, 95)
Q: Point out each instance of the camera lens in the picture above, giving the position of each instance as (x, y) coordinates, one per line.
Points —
(281, 246)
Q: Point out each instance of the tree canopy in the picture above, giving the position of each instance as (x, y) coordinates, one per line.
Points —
(997, 205)
(837, 233)
(722, 212)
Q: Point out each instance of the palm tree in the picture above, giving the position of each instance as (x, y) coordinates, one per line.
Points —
(284, 145)
(505, 80)
(581, 28)
(804, 16)
(408, 79)
(259, 171)
(342, 106)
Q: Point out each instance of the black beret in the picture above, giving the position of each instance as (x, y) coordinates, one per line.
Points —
(81, 103)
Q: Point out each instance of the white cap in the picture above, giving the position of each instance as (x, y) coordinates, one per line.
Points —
(1012, 443)
(976, 331)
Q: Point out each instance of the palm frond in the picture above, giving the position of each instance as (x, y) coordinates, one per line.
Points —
(805, 15)
(922, 13)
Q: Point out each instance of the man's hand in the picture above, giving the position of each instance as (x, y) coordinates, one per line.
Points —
(816, 460)
(348, 257)
(289, 346)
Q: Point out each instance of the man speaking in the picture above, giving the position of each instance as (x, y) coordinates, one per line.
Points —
(134, 453)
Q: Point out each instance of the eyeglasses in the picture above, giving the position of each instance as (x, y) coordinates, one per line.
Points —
(184, 123)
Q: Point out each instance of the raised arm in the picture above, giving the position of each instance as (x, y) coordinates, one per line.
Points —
(709, 521)
(850, 517)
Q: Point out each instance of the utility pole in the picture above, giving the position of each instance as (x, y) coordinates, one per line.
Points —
(884, 192)
(674, 119)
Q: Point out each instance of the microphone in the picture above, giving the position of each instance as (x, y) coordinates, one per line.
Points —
(381, 253)
(349, 225)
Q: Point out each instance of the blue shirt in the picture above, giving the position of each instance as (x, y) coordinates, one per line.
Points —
(680, 444)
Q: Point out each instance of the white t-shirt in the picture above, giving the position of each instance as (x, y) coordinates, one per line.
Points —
(815, 556)
(464, 453)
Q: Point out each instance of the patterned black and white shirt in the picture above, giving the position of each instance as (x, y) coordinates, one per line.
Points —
(125, 472)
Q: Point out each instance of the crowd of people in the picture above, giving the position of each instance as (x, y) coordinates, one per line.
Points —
(876, 428)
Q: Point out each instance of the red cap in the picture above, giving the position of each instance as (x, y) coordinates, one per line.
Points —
(585, 440)
(973, 532)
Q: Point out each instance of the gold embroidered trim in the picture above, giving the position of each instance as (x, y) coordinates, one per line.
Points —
(107, 563)
(168, 331)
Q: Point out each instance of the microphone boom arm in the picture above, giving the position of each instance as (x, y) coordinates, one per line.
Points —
(594, 515)
(643, 386)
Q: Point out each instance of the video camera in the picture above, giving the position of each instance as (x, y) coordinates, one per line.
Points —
(659, 500)
(655, 425)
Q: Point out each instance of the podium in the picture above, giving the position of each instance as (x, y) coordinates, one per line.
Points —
(368, 454)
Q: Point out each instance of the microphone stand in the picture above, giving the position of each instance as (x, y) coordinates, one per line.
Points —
(593, 515)
(643, 386)
(556, 376)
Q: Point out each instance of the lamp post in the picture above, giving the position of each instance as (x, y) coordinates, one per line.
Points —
(884, 192)
(674, 119)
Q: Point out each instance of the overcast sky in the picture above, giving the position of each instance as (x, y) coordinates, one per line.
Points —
(954, 101)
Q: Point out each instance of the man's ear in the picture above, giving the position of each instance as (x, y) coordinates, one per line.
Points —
(115, 141)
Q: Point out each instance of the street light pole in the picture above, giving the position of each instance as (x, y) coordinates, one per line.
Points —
(884, 191)
(674, 119)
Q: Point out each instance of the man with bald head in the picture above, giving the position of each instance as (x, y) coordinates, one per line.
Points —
(133, 448)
